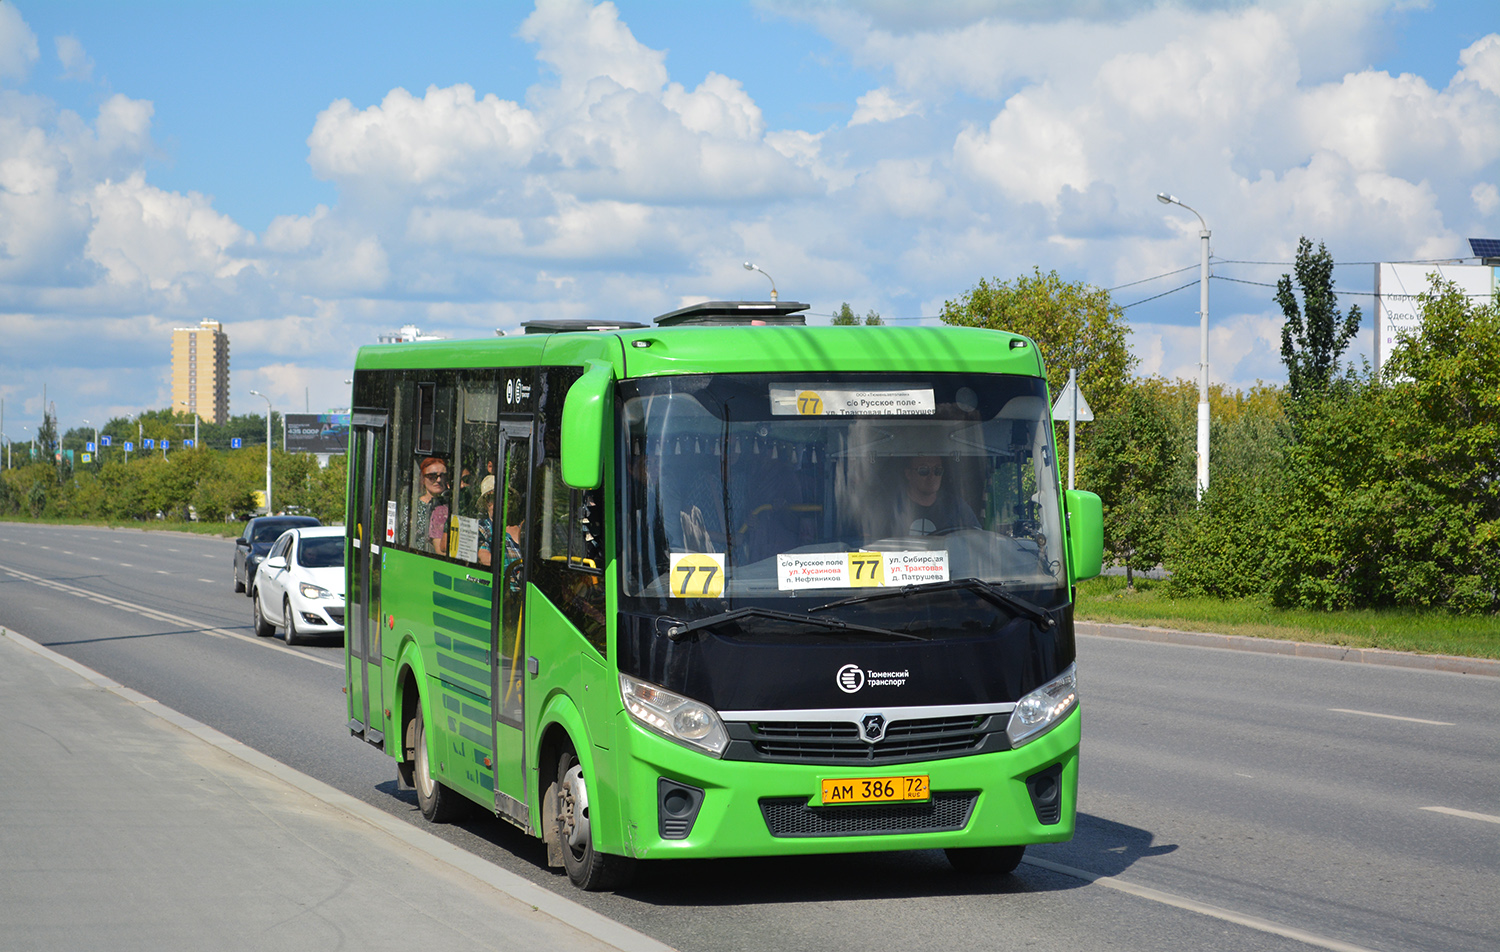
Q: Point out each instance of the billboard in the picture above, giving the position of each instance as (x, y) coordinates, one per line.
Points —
(326, 434)
(1398, 285)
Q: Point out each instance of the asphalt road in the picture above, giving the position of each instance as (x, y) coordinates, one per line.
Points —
(1232, 800)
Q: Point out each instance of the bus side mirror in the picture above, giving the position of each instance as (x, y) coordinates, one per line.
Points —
(1085, 534)
(583, 419)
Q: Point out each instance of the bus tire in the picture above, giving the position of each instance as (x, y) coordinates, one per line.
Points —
(289, 623)
(985, 859)
(589, 869)
(263, 628)
(438, 803)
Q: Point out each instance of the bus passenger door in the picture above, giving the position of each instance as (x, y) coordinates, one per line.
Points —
(369, 524)
(507, 691)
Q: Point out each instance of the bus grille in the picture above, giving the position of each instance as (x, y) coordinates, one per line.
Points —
(825, 741)
(945, 812)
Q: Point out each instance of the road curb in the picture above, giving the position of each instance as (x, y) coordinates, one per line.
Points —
(576, 916)
(1300, 649)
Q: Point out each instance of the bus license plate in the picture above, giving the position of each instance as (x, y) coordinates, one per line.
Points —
(875, 790)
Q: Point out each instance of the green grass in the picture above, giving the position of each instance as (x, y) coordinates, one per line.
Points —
(1106, 599)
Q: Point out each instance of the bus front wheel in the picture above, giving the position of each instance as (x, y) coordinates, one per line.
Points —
(588, 868)
(986, 859)
(438, 803)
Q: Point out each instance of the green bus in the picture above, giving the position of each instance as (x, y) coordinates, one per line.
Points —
(722, 585)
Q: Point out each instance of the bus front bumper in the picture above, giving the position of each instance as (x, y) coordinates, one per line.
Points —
(765, 809)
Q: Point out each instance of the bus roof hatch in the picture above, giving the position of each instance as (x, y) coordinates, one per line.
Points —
(736, 312)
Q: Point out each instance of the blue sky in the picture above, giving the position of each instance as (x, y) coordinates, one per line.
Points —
(165, 162)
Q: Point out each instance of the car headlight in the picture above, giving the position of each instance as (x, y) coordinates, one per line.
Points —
(1042, 709)
(673, 716)
(309, 590)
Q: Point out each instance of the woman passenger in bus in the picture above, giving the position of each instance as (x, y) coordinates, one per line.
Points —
(430, 517)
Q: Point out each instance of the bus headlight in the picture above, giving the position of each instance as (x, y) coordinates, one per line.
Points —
(1043, 708)
(689, 722)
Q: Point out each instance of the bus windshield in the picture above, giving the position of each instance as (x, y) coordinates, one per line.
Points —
(816, 487)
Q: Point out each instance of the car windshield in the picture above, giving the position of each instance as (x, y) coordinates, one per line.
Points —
(270, 531)
(321, 553)
(820, 487)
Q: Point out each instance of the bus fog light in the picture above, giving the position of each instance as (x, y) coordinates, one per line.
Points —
(673, 716)
(1039, 711)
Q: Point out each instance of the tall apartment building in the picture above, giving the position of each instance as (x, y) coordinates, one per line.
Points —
(200, 371)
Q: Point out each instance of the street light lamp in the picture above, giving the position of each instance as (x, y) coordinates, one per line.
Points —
(753, 267)
(1166, 199)
(183, 403)
(257, 393)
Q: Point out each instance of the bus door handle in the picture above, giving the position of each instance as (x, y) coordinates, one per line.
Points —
(533, 666)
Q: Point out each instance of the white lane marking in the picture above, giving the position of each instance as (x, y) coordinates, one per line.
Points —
(66, 552)
(162, 572)
(95, 558)
(127, 565)
(1391, 717)
(164, 616)
(207, 581)
(1466, 814)
(1202, 908)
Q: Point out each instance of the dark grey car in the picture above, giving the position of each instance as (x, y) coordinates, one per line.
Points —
(255, 542)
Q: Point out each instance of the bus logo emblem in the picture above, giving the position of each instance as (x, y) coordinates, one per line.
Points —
(872, 727)
(851, 678)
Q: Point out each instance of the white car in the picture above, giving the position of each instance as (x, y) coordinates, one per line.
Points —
(299, 586)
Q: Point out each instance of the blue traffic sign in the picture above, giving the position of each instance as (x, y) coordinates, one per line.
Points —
(166, 445)
(236, 443)
(188, 443)
(89, 446)
(129, 446)
(149, 444)
(105, 440)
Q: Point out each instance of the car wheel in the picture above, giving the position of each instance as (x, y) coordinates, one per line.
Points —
(249, 581)
(439, 804)
(239, 586)
(289, 624)
(985, 859)
(588, 868)
(263, 628)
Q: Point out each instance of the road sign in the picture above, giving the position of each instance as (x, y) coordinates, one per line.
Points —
(189, 443)
(236, 443)
(148, 444)
(89, 446)
(88, 457)
(106, 440)
(1063, 408)
(129, 446)
(166, 445)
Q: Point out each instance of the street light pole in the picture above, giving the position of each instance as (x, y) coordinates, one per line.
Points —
(1203, 419)
(753, 267)
(257, 393)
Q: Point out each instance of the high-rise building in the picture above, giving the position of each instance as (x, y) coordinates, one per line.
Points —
(200, 371)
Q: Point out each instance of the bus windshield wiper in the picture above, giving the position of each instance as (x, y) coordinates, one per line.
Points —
(677, 632)
(988, 591)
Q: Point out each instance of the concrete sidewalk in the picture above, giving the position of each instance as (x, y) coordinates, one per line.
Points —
(128, 826)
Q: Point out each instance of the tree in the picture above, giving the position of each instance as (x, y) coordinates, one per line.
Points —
(1076, 325)
(1142, 468)
(1315, 334)
(845, 317)
(1442, 416)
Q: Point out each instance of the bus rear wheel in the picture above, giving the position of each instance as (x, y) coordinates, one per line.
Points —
(439, 804)
(985, 859)
(588, 868)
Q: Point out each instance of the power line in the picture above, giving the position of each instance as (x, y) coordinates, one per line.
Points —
(1182, 287)
(1144, 280)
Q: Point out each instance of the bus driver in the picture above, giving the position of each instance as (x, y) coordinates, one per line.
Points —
(924, 507)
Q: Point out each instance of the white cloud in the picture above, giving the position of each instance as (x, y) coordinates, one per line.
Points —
(75, 62)
(1486, 197)
(18, 49)
(878, 105)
